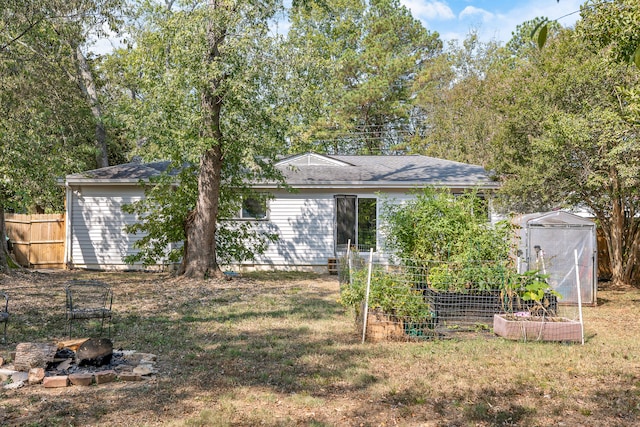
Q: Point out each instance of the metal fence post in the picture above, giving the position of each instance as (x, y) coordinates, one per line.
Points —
(575, 255)
(366, 297)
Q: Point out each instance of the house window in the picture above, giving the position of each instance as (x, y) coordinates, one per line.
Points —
(253, 208)
(356, 222)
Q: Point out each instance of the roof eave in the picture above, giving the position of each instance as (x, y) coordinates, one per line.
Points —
(96, 181)
(380, 184)
(304, 185)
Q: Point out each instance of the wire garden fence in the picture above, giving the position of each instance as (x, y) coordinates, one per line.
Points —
(409, 300)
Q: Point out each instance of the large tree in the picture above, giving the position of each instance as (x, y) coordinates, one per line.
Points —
(454, 94)
(453, 102)
(356, 65)
(57, 34)
(45, 121)
(570, 138)
(203, 84)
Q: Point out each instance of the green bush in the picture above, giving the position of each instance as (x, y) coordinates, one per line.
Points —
(468, 276)
(443, 277)
(391, 292)
(449, 237)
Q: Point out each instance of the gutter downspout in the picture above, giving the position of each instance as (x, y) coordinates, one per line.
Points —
(68, 232)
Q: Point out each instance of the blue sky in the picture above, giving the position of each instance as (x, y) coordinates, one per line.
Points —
(494, 19)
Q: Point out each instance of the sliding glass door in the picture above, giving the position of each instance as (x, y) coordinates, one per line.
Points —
(356, 222)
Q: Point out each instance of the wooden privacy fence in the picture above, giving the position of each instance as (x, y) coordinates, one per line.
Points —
(38, 240)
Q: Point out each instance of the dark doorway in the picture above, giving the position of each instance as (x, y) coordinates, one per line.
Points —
(345, 222)
(356, 222)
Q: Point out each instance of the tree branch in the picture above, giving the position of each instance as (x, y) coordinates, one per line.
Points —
(22, 34)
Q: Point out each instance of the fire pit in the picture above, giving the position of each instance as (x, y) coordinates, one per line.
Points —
(75, 362)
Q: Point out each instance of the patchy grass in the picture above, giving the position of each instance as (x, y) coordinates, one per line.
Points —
(277, 350)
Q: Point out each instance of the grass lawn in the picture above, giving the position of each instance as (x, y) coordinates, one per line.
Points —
(278, 350)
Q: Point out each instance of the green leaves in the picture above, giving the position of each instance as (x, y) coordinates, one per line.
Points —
(532, 286)
(542, 29)
(612, 28)
(635, 58)
(45, 123)
(394, 293)
(355, 68)
(436, 226)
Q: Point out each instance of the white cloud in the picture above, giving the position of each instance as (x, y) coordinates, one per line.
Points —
(454, 18)
(502, 25)
(436, 10)
(476, 13)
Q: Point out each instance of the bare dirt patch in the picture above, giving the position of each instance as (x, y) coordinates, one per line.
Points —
(278, 350)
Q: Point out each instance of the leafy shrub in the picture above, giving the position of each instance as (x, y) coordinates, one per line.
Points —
(468, 276)
(392, 292)
(443, 277)
(452, 231)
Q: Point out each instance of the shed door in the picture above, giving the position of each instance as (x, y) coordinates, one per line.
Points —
(345, 222)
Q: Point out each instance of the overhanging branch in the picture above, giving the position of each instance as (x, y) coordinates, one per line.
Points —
(22, 34)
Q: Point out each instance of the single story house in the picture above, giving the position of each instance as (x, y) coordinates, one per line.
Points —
(337, 199)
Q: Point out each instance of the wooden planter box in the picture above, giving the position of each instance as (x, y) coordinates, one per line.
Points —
(382, 327)
(555, 329)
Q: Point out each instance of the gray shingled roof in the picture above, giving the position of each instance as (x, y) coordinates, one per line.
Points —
(346, 171)
(388, 170)
(127, 172)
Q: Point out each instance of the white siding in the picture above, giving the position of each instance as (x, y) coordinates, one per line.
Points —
(304, 222)
(305, 226)
(98, 239)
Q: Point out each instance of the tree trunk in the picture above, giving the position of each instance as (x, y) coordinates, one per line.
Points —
(200, 251)
(88, 86)
(630, 271)
(200, 246)
(94, 352)
(616, 246)
(623, 238)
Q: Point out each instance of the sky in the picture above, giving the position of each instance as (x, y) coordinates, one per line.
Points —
(493, 19)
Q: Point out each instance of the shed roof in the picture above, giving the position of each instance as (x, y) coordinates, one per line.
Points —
(554, 218)
(312, 170)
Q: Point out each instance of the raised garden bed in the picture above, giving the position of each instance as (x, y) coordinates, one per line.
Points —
(476, 307)
(535, 329)
(384, 327)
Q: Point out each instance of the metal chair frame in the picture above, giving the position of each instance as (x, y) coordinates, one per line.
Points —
(4, 314)
(88, 299)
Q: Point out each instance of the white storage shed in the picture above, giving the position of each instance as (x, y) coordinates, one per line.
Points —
(549, 243)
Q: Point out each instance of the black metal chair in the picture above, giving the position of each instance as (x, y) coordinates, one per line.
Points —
(86, 300)
(4, 314)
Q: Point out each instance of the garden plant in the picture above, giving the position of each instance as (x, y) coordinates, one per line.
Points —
(450, 263)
